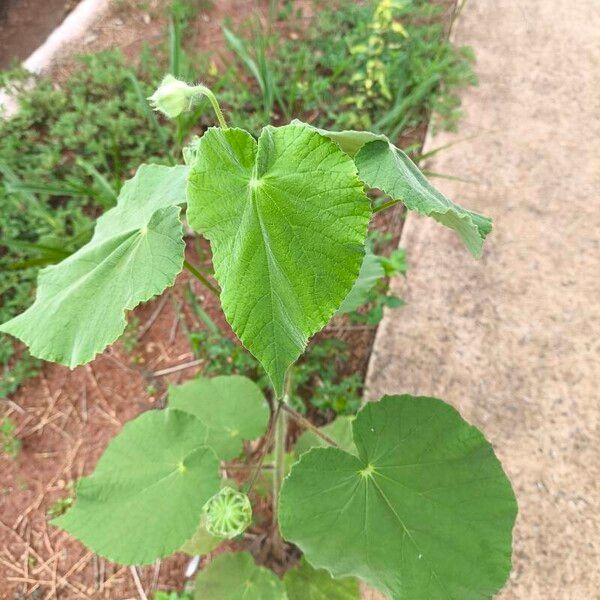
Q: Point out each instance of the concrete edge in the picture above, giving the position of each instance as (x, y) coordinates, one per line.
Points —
(426, 143)
(73, 27)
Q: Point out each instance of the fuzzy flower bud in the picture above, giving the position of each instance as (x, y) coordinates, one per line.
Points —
(172, 97)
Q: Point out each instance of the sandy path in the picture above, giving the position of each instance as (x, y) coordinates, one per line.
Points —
(513, 340)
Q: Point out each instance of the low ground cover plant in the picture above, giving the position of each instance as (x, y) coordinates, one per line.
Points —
(406, 496)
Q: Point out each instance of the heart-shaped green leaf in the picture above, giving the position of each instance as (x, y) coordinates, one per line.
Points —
(135, 253)
(145, 497)
(306, 583)
(232, 407)
(287, 219)
(425, 511)
(235, 575)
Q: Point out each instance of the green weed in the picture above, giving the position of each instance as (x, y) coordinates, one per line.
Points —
(10, 444)
(61, 505)
(129, 339)
(384, 66)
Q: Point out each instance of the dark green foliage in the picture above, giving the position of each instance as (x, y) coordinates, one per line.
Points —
(319, 374)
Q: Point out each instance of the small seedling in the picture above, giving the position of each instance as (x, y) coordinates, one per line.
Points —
(61, 505)
(129, 339)
(10, 444)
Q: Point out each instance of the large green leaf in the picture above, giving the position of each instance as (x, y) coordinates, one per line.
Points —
(232, 407)
(425, 511)
(383, 166)
(287, 219)
(236, 576)
(340, 431)
(306, 583)
(371, 271)
(145, 498)
(135, 253)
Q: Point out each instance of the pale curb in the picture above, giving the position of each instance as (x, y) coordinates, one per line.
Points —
(72, 28)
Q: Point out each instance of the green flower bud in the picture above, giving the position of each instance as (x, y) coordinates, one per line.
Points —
(228, 513)
(172, 97)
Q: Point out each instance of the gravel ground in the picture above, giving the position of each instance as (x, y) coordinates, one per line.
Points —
(512, 340)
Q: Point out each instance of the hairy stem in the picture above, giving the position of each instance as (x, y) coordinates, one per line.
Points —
(201, 278)
(307, 424)
(202, 89)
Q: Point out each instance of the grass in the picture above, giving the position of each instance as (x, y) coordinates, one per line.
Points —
(384, 66)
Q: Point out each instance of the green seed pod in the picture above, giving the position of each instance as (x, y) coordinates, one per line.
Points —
(228, 513)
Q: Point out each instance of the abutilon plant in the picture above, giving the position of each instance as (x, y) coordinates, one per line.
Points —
(407, 496)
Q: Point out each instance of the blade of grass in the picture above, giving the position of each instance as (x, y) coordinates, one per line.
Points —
(421, 157)
(199, 311)
(102, 182)
(49, 251)
(12, 178)
(50, 190)
(174, 47)
(449, 177)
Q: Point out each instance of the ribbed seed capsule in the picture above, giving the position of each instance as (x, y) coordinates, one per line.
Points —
(228, 513)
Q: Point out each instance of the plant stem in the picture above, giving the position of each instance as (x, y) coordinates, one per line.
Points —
(200, 277)
(202, 89)
(385, 205)
(278, 475)
(279, 472)
(279, 456)
(308, 425)
(265, 449)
